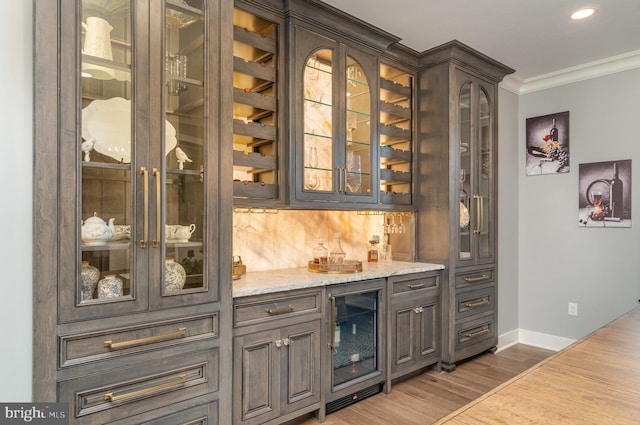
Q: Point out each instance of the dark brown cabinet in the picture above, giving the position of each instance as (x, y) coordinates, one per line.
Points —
(457, 197)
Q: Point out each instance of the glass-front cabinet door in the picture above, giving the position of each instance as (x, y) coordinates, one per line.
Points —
(476, 171)
(336, 160)
(134, 176)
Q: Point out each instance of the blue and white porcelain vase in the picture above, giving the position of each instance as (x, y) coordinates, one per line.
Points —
(174, 276)
(110, 286)
(89, 277)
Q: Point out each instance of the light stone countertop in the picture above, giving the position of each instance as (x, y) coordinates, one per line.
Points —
(265, 282)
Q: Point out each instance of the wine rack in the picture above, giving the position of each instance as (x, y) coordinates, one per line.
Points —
(255, 107)
(396, 89)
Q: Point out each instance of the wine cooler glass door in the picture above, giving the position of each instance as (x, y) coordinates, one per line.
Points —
(355, 338)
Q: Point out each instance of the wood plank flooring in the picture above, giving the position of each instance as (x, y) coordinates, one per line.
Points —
(432, 395)
(595, 381)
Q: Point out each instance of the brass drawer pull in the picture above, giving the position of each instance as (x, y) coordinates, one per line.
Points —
(483, 301)
(179, 333)
(477, 333)
(279, 310)
(416, 286)
(110, 397)
(476, 279)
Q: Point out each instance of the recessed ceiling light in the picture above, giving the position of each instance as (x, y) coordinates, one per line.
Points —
(582, 14)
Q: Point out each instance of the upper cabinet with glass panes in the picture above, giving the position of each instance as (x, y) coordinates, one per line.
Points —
(134, 106)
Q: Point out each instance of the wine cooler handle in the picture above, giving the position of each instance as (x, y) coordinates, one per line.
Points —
(156, 241)
(145, 207)
(333, 322)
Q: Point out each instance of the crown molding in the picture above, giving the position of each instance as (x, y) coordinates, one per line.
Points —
(619, 63)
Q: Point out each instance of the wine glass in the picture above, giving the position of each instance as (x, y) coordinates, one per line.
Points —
(312, 181)
(401, 226)
(354, 168)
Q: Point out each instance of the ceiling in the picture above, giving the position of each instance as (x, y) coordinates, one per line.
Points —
(535, 37)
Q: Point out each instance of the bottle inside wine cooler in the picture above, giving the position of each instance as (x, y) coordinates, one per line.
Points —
(615, 194)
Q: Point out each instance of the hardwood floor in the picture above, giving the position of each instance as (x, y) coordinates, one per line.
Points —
(432, 395)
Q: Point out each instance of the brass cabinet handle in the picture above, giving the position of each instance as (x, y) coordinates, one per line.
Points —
(333, 321)
(416, 286)
(477, 333)
(156, 241)
(110, 397)
(478, 228)
(280, 310)
(476, 279)
(179, 333)
(481, 214)
(340, 181)
(483, 301)
(145, 207)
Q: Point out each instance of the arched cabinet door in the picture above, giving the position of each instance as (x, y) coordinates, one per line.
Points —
(476, 170)
(335, 157)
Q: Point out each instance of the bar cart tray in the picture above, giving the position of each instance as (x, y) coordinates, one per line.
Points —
(348, 266)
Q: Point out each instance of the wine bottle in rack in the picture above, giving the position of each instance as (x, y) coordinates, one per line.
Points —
(615, 193)
(554, 131)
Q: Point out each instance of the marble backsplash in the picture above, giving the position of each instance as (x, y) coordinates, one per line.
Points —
(279, 239)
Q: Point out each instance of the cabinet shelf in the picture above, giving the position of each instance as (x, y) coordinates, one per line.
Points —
(391, 177)
(257, 162)
(389, 155)
(395, 110)
(193, 12)
(254, 190)
(258, 41)
(254, 130)
(394, 131)
(395, 87)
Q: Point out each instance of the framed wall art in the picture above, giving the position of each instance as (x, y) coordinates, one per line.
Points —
(604, 194)
(548, 144)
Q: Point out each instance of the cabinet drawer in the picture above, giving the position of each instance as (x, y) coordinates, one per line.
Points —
(261, 308)
(475, 331)
(414, 283)
(137, 389)
(202, 414)
(475, 302)
(93, 346)
(475, 278)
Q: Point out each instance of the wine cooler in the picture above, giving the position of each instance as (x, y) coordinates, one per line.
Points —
(355, 342)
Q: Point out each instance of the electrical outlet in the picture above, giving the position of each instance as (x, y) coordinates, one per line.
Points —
(573, 309)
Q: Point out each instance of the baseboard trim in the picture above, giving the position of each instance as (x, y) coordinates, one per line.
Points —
(536, 339)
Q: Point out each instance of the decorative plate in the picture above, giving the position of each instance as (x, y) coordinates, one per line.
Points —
(109, 123)
(464, 215)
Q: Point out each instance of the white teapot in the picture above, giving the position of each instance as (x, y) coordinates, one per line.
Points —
(96, 232)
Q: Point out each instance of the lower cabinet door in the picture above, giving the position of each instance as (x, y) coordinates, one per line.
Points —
(414, 335)
(301, 352)
(276, 372)
(256, 375)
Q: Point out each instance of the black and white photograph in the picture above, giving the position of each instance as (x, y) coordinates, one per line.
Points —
(604, 195)
(548, 144)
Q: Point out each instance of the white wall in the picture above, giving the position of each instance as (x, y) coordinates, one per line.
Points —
(558, 261)
(16, 194)
(508, 173)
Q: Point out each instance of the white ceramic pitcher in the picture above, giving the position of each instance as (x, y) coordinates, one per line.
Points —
(97, 42)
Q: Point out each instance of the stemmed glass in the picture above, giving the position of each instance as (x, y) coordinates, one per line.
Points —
(312, 181)
(401, 226)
